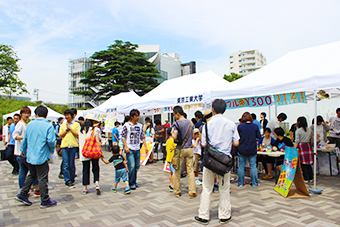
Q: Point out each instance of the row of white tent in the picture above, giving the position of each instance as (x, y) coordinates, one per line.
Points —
(307, 70)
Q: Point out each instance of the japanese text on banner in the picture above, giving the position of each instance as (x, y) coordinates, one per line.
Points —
(290, 98)
(249, 102)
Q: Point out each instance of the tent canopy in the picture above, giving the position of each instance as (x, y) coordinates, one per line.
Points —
(308, 69)
(191, 89)
(115, 101)
(51, 115)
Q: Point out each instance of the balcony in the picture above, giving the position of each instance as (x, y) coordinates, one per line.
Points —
(247, 56)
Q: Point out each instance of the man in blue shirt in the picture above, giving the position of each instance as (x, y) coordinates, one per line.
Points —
(10, 148)
(115, 134)
(37, 146)
(256, 121)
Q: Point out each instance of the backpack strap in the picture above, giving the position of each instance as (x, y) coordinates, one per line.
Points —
(186, 138)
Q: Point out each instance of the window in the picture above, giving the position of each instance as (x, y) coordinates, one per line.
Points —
(231, 62)
(231, 67)
(231, 56)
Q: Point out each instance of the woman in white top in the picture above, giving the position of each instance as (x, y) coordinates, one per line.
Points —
(322, 128)
(18, 135)
(86, 130)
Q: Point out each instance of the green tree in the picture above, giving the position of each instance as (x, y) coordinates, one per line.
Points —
(119, 69)
(232, 77)
(9, 80)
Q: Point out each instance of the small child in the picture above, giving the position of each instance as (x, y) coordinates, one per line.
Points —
(196, 143)
(170, 147)
(121, 169)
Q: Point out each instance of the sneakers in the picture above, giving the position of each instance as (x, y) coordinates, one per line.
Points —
(201, 221)
(192, 195)
(98, 190)
(258, 184)
(171, 189)
(225, 221)
(61, 176)
(267, 177)
(127, 191)
(198, 182)
(133, 187)
(84, 192)
(178, 194)
(137, 185)
(240, 185)
(49, 203)
(69, 184)
(23, 199)
(36, 193)
(183, 175)
(114, 189)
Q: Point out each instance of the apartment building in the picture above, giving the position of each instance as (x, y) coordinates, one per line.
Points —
(246, 62)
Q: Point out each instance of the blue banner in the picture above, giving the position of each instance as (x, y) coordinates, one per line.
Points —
(290, 98)
(257, 101)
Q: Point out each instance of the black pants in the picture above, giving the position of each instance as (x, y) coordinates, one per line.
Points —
(39, 172)
(86, 171)
(307, 172)
(11, 158)
(61, 168)
(264, 161)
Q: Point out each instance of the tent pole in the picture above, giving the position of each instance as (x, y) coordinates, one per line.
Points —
(315, 138)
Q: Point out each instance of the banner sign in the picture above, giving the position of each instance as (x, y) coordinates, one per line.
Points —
(145, 156)
(257, 101)
(194, 98)
(290, 98)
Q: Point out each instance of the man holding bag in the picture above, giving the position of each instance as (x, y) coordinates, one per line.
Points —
(182, 133)
(222, 134)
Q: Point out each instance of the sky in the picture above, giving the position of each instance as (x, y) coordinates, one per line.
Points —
(47, 34)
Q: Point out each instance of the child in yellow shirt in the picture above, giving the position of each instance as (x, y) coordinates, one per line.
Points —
(170, 148)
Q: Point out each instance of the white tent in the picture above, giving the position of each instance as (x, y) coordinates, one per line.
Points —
(51, 115)
(115, 101)
(308, 69)
(184, 90)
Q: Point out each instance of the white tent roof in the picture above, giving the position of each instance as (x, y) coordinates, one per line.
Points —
(115, 101)
(51, 115)
(308, 69)
(168, 92)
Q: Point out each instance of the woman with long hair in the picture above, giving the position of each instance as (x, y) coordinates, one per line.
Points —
(86, 130)
(303, 143)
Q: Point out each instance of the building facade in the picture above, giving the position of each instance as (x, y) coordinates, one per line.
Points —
(169, 66)
(76, 68)
(245, 62)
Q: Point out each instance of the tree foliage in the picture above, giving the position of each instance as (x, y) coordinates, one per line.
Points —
(232, 77)
(9, 80)
(119, 69)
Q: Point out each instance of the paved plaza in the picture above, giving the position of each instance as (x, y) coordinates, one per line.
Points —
(153, 205)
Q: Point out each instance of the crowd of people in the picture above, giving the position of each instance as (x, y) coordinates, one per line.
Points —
(29, 148)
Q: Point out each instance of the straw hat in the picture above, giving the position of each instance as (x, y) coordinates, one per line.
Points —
(207, 115)
(92, 117)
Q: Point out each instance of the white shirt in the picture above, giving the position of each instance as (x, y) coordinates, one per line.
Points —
(20, 129)
(197, 149)
(222, 132)
(273, 124)
(5, 133)
(319, 130)
(133, 134)
(334, 122)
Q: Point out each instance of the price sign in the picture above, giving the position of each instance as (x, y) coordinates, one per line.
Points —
(257, 101)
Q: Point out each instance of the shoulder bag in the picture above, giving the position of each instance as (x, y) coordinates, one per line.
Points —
(177, 153)
(92, 148)
(214, 160)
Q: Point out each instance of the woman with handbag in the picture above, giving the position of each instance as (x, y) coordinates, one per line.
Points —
(247, 149)
(87, 130)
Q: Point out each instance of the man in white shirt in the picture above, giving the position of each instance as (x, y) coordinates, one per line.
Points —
(5, 131)
(222, 134)
(275, 123)
(334, 132)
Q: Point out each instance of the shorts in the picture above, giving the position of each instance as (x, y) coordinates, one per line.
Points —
(121, 145)
(172, 169)
(121, 174)
(196, 162)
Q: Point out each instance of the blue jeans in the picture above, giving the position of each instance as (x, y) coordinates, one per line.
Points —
(69, 167)
(252, 163)
(133, 165)
(23, 170)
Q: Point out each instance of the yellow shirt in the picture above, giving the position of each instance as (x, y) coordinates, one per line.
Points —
(170, 143)
(69, 139)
